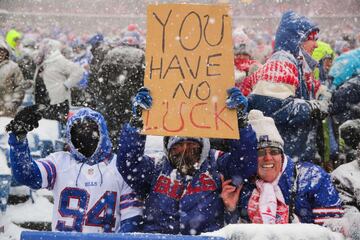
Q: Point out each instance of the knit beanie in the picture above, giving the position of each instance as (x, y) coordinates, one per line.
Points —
(171, 141)
(267, 134)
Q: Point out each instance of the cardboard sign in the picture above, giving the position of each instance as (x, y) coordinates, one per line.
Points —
(189, 66)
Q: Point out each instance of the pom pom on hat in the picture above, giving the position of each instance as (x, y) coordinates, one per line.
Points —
(266, 132)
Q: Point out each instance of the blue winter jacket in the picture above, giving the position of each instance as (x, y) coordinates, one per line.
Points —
(345, 101)
(176, 204)
(345, 67)
(292, 116)
(316, 197)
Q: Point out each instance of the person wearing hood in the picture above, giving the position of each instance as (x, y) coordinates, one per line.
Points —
(82, 57)
(59, 75)
(325, 55)
(283, 191)
(244, 63)
(345, 67)
(12, 83)
(346, 177)
(90, 194)
(182, 190)
(283, 89)
(13, 39)
(327, 137)
(119, 76)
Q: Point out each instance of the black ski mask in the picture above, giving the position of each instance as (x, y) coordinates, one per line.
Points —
(85, 136)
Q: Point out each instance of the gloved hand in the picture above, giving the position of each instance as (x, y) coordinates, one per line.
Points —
(319, 109)
(141, 101)
(25, 121)
(236, 100)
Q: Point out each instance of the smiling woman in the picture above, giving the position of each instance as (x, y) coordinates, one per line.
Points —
(283, 191)
(270, 163)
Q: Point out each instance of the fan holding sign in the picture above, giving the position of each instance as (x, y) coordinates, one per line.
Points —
(182, 190)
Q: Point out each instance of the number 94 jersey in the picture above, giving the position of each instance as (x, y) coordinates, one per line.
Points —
(87, 198)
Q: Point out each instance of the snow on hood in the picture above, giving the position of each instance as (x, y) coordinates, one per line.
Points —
(103, 150)
(204, 142)
(47, 48)
(292, 30)
(125, 55)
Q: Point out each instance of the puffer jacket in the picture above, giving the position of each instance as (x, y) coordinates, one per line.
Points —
(58, 73)
(177, 204)
(12, 86)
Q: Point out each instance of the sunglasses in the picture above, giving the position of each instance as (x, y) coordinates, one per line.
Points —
(273, 151)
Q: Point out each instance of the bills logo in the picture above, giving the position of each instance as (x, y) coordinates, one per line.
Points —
(264, 138)
(175, 189)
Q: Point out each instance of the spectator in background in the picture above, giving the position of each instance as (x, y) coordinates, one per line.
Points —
(243, 60)
(13, 39)
(284, 88)
(83, 58)
(345, 67)
(325, 55)
(120, 75)
(262, 51)
(347, 176)
(327, 137)
(284, 191)
(59, 76)
(12, 83)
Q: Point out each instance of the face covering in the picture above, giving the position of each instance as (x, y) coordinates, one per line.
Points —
(85, 137)
(185, 156)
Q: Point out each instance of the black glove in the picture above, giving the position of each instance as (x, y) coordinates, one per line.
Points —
(319, 109)
(25, 121)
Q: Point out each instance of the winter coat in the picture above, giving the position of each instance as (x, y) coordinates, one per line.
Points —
(104, 199)
(120, 75)
(12, 86)
(176, 204)
(346, 101)
(345, 67)
(59, 75)
(346, 180)
(278, 87)
(315, 198)
(292, 77)
(294, 121)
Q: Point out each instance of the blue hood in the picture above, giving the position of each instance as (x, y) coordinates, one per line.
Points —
(104, 148)
(292, 30)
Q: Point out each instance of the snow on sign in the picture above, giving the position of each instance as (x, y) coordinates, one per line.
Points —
(189, 66)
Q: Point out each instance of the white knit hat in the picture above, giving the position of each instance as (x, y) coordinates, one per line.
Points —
(266, 132)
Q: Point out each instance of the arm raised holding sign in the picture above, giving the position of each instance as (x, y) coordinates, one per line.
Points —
(187, 179)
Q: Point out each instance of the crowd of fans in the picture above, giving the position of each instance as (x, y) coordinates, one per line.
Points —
(297, 95)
